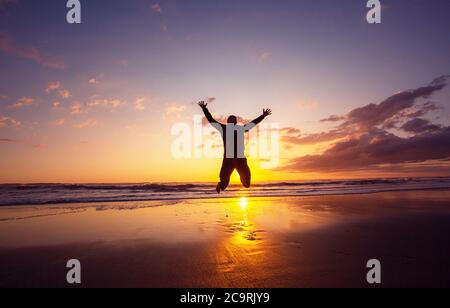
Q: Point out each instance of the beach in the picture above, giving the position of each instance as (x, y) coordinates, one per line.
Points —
(241, 242)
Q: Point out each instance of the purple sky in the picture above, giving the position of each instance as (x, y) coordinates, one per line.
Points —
(71, 94)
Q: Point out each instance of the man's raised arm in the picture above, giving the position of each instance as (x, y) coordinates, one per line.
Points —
(208, 114)
(255, 122)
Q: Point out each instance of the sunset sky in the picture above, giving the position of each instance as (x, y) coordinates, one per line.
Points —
(96, 102)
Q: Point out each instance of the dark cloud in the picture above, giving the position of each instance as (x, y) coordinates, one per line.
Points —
(389, 114)
(419, 125)
(314, 138)
(333, 118)
(292, 136)
(422, 110)
(377, 114)
(363, 141)
(374, 149)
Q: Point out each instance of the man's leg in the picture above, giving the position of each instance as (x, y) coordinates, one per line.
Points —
(244, 172)
(225, 173)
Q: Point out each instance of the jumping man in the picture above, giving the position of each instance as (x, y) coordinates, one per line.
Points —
(233, 140)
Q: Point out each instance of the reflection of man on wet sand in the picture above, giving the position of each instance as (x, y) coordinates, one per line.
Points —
(233, 140)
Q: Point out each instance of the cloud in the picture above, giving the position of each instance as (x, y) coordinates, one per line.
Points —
(56, 105)
(105, 103)
(313, 138)
(139, 103)
(77, 108)
(375, 149)
(86, 124)
(65, 94)
(388, 114)
(377, 114)
(96, 80)
(156, 8)
(33, 54)
(21, 103)
(421, 110)
(290, 131)
(333, 118)
(2, 97)
(175, 109)
(370, 137)
(58, 122)
(292, 136)
(419, 125)
(82, 108)
(53, 86)
(56, 86)
(9, 122)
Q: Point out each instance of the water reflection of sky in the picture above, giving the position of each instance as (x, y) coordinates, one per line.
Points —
(244, 220)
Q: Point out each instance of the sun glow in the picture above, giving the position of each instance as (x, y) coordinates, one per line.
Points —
(243, 203)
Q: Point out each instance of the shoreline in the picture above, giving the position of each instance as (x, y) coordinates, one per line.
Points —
(214, 183)
(221, 197)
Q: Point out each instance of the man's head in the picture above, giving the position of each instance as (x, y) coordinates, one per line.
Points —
(232, 120)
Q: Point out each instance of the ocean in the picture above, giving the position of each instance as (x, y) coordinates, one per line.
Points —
(47, 194)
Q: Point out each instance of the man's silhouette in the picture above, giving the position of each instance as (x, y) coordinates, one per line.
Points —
(233, 140)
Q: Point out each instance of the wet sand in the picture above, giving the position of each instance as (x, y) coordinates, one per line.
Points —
(250, 242)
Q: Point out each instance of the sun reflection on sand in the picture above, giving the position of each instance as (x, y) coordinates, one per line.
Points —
(245, 231)
(243, 203)
(244, 251)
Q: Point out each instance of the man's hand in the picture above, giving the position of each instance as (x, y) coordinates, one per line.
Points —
(203, 104)
(267, 112)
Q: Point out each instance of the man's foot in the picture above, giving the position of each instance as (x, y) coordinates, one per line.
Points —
(218, 189)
